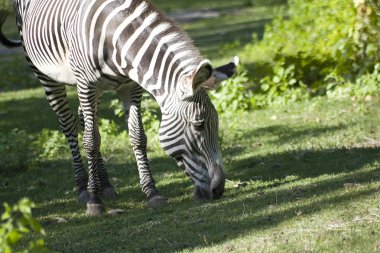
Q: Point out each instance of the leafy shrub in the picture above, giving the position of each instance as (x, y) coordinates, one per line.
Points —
(232, 95)
(282, 87)
(113, 138)
(108, 127)
(51, 144)
(16, 222)
(316, 41)
(362, 89)
(150, 112)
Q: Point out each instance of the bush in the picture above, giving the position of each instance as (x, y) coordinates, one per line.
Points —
(363, 89)
(16, 222)
(231, 95)
(319, 39)
(150, 112)
(51, 144)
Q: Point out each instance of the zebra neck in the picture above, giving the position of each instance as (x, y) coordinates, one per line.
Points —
(144, 45)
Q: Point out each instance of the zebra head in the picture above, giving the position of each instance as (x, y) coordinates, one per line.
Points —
(189, 130)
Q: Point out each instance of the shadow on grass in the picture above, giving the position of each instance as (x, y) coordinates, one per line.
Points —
(318, 181)
(302, 164)
(286, 134)
(278, 135)
(34, 113)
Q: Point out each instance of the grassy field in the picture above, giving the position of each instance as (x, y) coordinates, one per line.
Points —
(303, 178)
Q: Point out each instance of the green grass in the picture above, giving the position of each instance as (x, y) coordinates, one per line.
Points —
(303, 178)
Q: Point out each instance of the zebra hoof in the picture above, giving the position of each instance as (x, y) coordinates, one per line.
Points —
(109, 193)
(94, 209)
(83, 197)
(156, 201)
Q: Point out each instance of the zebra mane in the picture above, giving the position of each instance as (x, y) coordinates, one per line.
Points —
(175, 27)
(165, 18)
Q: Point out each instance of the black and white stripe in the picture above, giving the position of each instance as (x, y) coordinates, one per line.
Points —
(128, 46)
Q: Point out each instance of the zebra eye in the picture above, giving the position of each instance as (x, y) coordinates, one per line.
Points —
(198, 126)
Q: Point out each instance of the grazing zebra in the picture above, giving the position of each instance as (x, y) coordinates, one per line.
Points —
(128, 46)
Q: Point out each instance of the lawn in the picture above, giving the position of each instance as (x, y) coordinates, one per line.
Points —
(301, 178)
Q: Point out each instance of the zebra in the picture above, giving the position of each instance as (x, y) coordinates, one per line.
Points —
(129, 46)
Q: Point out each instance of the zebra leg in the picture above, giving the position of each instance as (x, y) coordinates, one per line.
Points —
(131, 98)
(80, 116)
(107, 190)
(88, 98)
(57, 98)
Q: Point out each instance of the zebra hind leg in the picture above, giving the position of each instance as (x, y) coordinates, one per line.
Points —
(107, 191)
(57, 98)
(131, 98)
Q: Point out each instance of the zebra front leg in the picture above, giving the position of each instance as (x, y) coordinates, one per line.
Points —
(88, 99)
(57, 98)
(107, 190)
(131, 98)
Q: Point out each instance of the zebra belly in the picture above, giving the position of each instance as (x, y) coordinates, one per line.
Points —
(58, 72)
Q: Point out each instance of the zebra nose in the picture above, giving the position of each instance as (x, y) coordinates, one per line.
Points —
(217, 183)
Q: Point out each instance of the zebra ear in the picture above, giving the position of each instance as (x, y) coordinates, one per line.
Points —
(203, 73)
(193, 81)
(221, 73)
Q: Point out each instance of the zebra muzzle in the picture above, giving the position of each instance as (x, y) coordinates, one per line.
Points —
(217, 183)
(216, 189)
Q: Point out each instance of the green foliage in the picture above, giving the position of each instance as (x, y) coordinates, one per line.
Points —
(363, 89)
(150, 112)
(50, 144)
(232, 95)
(114, 137)
(6, 5)
(317, 40)
(108, 128)
(282, 87)
(15, 149)
(17, 222)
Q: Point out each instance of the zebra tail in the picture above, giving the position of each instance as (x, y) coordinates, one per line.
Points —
(3, 39)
